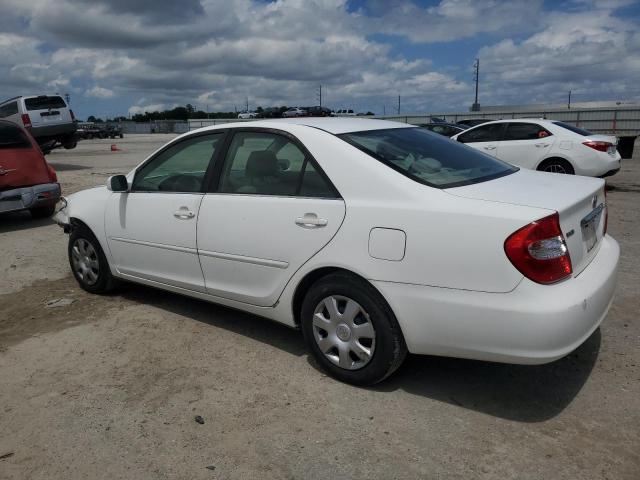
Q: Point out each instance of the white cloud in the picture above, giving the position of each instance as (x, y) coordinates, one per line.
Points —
(99, 92)
(156, 107)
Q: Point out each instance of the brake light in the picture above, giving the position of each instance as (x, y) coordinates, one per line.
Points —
(26, 121)
(606, 213)
(599, 146)
(53, 177)
(73, 117)
(539, 251)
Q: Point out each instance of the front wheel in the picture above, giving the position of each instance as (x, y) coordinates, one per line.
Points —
(351, 331)
(88, 262)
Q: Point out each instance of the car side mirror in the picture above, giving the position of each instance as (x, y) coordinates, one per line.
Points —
(118, 183)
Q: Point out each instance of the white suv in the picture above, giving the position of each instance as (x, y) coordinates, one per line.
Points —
(546, 145)
(345, 113)
(46, 117)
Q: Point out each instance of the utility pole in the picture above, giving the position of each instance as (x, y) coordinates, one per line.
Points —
(569, 104)
(476, 76)
(247, 103)
(319, 95)
(384, 109)
(398, 104)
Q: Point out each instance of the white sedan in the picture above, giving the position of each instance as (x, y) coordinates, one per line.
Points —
(375, 238)
(546, 145)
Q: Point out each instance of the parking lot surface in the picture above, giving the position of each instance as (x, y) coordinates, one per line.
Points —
(109, 386)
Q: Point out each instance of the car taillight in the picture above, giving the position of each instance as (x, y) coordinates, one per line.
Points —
(539, 251)
(26, 121)
(599, 146)
(53, 177)
(606, 213)
(73, 117)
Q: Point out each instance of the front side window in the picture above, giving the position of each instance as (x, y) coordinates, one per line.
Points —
(525, 131)
(262, 163)
(44, 103)
(179, 168)
(486, 133)
(427, 157)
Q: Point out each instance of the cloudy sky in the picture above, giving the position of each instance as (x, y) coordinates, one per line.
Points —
(116, 57)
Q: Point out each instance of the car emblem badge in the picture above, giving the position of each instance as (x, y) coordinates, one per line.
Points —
(594, 201)
(4, 171)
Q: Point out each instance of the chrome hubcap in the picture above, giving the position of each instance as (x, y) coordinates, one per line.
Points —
(85, 261)
(343, 331)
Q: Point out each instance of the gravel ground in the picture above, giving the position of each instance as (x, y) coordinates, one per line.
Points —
(109, 386)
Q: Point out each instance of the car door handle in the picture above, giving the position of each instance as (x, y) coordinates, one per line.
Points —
(311, 220)
(490, 147)
(184, 213)
(540, 145)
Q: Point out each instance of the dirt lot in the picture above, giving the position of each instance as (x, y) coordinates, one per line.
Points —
(108, 387)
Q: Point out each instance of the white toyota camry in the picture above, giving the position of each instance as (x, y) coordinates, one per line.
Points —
(375, 238)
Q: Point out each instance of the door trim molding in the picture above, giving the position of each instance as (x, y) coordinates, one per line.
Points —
(241, 258)
(164, 246)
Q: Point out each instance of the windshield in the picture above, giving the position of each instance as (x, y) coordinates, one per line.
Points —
(574, 129)
(427, 157)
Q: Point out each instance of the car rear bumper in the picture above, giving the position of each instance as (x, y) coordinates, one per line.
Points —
(25, 198)
(48, 131)
(532, 324)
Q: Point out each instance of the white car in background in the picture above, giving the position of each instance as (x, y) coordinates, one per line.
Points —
(546, 145)
(247, 115)
(344, 112)
(375, 238)
(295, 112)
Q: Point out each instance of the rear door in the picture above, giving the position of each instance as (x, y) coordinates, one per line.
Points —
(21, 161)
(484, 137)
(47, 110)
(524, 144)
(271, 210)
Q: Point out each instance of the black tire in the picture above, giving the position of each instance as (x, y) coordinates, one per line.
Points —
(389, 349)
(121, 135)
(70, 146)
(556, 165)
(42, 212)
(104, 282)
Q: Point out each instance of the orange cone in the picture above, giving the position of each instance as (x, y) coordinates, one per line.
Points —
(114, 148)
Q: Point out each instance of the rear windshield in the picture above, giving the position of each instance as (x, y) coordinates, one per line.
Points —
(427, 157)
(574, 129)
(44, 103)
(12, 137)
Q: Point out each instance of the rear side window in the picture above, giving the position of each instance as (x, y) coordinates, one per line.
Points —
(574, 129)
(8, 109)
(427, 157)
(12, 137)
(262, 163)
(525, 131)
(44, 103)
(485, 133)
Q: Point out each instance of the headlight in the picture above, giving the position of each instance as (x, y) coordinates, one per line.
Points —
(61, 205)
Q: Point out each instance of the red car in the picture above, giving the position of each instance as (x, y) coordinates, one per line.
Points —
(27, 181)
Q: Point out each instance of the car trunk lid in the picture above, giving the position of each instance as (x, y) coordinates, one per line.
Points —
(579, 201)
(21, 162)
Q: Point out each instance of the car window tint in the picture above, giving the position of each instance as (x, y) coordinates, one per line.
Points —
(12, 137)
(574, 129)
(485, 133)
(262, 164)
(8, 109)
(180, 168)
(44, 103)
(428, 158)
(525, 131)
(314, 184)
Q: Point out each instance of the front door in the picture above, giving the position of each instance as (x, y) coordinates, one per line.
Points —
(271, 212)
(483, 137)
(151, 229)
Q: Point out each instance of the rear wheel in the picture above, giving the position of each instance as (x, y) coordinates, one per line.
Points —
(42, 212)
(88, 262)
(556, 165)
(351, 331)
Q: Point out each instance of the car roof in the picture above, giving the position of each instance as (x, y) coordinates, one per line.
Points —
(524, 120)
(333, 125)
